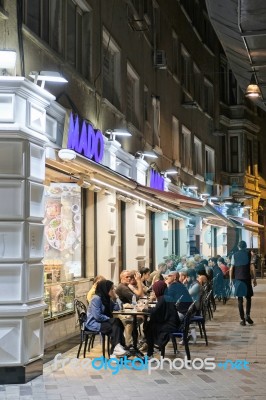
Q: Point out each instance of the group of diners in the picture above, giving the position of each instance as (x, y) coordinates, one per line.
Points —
(171, 293)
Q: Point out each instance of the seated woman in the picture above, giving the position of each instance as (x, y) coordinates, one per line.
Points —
(163, 319)
(145, 275)
(91, 292)
(99, 316)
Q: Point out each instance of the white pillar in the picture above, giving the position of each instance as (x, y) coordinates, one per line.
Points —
(22, 172)
(107, 254)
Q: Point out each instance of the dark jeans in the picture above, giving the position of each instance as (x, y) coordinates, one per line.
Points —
(114, 328)
(241, 307)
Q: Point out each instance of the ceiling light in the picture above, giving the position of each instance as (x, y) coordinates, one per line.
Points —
(47, 76)
(253, 90)
(142, 154)
(67, 155)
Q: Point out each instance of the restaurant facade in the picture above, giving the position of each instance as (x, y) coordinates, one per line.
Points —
(78, 202)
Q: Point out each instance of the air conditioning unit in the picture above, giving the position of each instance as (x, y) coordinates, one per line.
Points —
(160, 59)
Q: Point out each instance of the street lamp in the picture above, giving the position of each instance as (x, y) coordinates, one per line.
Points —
(253, 90)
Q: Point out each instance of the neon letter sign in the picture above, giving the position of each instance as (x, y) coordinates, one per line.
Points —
(85, 140)
(156, 180)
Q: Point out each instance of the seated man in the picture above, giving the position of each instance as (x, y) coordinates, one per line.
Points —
(178, 293)
(125, 291)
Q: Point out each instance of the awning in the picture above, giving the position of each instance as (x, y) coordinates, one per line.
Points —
(213, 217)
(245, 222)
(179, 200)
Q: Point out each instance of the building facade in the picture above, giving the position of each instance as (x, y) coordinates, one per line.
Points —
(151, 68)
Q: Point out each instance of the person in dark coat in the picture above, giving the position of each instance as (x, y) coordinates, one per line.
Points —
(243, 270)
(163, 319)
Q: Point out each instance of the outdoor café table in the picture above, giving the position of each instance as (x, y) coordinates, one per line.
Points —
(134, 313)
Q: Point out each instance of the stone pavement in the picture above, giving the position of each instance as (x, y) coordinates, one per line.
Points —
(227, 341)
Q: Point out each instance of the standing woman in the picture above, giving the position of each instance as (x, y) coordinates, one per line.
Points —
(100, 319)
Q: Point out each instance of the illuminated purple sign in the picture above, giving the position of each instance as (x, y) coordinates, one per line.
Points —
(156, 180)
(84, 139)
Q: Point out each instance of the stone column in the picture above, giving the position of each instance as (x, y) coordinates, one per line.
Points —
(22, 172)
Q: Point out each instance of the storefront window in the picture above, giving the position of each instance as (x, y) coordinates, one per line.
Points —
(62, 251)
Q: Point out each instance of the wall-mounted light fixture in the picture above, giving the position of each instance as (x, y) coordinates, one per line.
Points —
(141, 154)
(253, 90)
(204, 196)
(47, 76)
(116, 132)
(170, 171)
(191, 187)
(8, 60)
(67, 155)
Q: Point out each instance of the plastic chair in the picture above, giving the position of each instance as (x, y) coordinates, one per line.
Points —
(87, 337)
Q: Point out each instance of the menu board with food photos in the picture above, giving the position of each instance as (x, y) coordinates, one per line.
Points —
(62, 251)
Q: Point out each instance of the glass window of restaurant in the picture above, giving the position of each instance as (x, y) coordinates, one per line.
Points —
(62, 246)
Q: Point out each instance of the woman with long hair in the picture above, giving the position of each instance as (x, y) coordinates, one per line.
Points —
(100, 319)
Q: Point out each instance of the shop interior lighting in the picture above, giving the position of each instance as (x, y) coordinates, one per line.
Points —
(253, 90)
(47, 76)
(142, 154)
(116, 132)
(67, 155)
(134, 196)
(8, 60)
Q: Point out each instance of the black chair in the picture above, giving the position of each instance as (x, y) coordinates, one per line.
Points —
(199, 318)
(87, 337)
(183, 333)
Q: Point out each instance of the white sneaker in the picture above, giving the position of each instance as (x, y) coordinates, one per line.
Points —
(119, 350)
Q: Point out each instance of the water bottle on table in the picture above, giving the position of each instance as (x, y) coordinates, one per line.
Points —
(134, 302)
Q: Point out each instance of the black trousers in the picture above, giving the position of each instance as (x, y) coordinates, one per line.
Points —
(241, 306)
(114, 328)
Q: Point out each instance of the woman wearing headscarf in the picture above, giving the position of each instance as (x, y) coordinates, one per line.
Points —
(100, 319)
(163, 319)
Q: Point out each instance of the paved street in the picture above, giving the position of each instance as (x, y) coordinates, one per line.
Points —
(227, 341)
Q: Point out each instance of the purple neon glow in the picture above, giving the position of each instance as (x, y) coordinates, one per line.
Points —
(85, 141)
(156, 180)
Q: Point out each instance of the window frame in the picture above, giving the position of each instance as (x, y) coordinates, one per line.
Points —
(234, 154)
(197, 157)
(52, 29)
(133, 114)
(209, 164)
(185, 69)
(109, 46)
(208, 97)
(186, 149)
